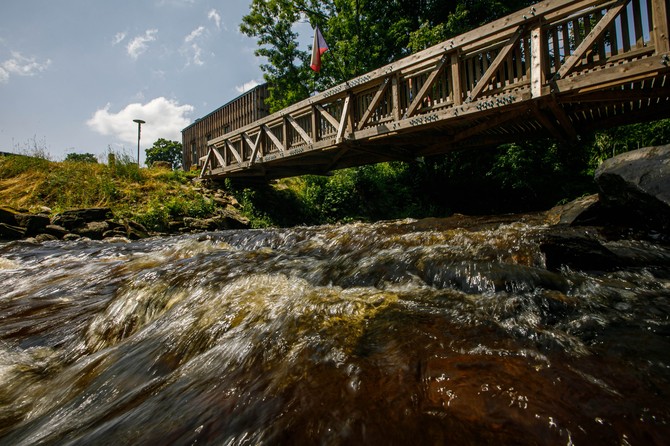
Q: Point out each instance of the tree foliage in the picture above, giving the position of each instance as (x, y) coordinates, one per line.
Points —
(362, 35)
(164, 150)
(81, 157)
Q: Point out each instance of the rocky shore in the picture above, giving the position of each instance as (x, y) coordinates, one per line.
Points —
(101, 223)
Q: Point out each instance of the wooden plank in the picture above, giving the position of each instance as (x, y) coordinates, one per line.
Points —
(301, 132)
(502, 55)
(334, 122)
(273, 138)
(418, 99)
(637, 20)
(374, 103)
(343, 119)
(587, 43)
(395, 94)
(206, 163)
(219, 158)
(660, 31)
(537, 56)
(234, 151)
(254, 146)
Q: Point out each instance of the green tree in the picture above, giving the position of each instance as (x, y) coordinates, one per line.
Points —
(164, 150)
(81, 157)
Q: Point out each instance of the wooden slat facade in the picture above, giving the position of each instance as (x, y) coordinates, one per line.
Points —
(558, 68)
(241, 111)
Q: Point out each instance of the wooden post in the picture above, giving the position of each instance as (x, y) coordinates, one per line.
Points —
(395, 93)
(537, 62)
(660, 15)
(456, 83)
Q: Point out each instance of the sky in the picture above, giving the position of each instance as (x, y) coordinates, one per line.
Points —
(74, 74)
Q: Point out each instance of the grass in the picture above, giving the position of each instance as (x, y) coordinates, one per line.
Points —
(152, 197)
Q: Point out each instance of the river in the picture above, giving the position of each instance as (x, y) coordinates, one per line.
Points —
(404, 332)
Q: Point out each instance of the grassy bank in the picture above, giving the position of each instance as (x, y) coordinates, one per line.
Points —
(152, 197)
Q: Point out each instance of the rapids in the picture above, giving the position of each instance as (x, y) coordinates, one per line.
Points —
(405, 332)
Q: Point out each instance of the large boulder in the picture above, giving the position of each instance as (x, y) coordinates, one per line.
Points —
(635, 187)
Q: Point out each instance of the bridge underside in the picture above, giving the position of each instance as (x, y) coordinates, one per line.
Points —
(569, 73)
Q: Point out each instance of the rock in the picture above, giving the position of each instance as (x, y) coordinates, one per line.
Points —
(34, 223)
(136, 231)
(56, 231)
(578, 251)
(584, 210)
(78, 217)
(93, 230)
(8, 215)
(200, 224)
(114, 233)
(11, 232)
(40, 238)
(71, 237)
(635, 187)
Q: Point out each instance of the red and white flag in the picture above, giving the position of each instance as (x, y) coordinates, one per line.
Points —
(318, 48)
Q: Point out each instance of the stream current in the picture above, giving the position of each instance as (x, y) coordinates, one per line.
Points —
(403, 332)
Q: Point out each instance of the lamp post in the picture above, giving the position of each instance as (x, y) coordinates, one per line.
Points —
(139, 131)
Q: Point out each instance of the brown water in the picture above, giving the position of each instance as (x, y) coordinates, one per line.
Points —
(391, 333)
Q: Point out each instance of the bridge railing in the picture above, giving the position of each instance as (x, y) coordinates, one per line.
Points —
(532, 53)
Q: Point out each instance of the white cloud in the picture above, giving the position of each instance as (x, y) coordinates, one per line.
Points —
(194, 34)
(214, 15)
(21, 66)
(192, 50)
(139, 44)
(164, 118)
(247, 86)
(118, 38)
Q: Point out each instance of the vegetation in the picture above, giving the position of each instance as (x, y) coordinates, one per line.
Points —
(526, 176)
(81, 157)
(148, 196)
(362, 35)
(164, 150)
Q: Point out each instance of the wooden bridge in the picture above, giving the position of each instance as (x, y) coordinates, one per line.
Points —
(558, 68)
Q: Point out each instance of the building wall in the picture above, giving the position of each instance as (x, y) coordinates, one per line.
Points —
(241, 111)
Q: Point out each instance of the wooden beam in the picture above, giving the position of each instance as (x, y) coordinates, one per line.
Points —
(587, 43)
(334, 122)
(414, 106)
(343, 119)
(373, 105)
(660, 16)
(234, 151)
(219, 158)
(273, 138)
(395, 94)
(303, 134)
(456, 83)
(495, 65)
(537, 62)
(254, 145)
(206, 163)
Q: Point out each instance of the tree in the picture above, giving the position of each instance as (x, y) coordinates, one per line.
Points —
(164, 150)
(81, 157)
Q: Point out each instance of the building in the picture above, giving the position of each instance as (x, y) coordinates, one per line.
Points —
(243, 110)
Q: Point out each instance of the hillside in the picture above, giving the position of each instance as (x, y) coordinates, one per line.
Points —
(160, 199)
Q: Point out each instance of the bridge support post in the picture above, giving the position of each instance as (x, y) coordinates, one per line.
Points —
(537, 62)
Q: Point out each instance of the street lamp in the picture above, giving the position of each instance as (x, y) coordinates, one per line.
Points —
(139, 131)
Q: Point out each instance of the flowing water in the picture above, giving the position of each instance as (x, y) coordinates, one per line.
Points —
(407, 332)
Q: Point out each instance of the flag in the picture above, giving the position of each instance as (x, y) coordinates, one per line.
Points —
(318, 48)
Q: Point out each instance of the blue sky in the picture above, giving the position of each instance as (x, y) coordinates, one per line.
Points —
(75, 73)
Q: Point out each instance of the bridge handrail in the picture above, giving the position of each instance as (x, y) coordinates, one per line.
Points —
(540, 46)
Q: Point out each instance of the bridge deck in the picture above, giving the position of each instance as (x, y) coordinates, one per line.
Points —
(559, 68)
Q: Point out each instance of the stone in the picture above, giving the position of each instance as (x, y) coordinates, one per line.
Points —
(8, 215)
(71, 237)
(584, 210)
(56, 231)
(11, 232)
(93, 230)
(34, 223)
(40, 238)
(136, 231)
(78, 217)
(635, 187)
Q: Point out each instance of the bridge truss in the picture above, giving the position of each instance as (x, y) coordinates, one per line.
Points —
(559, 68)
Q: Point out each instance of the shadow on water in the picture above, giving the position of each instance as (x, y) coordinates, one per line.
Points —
(409, 332)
